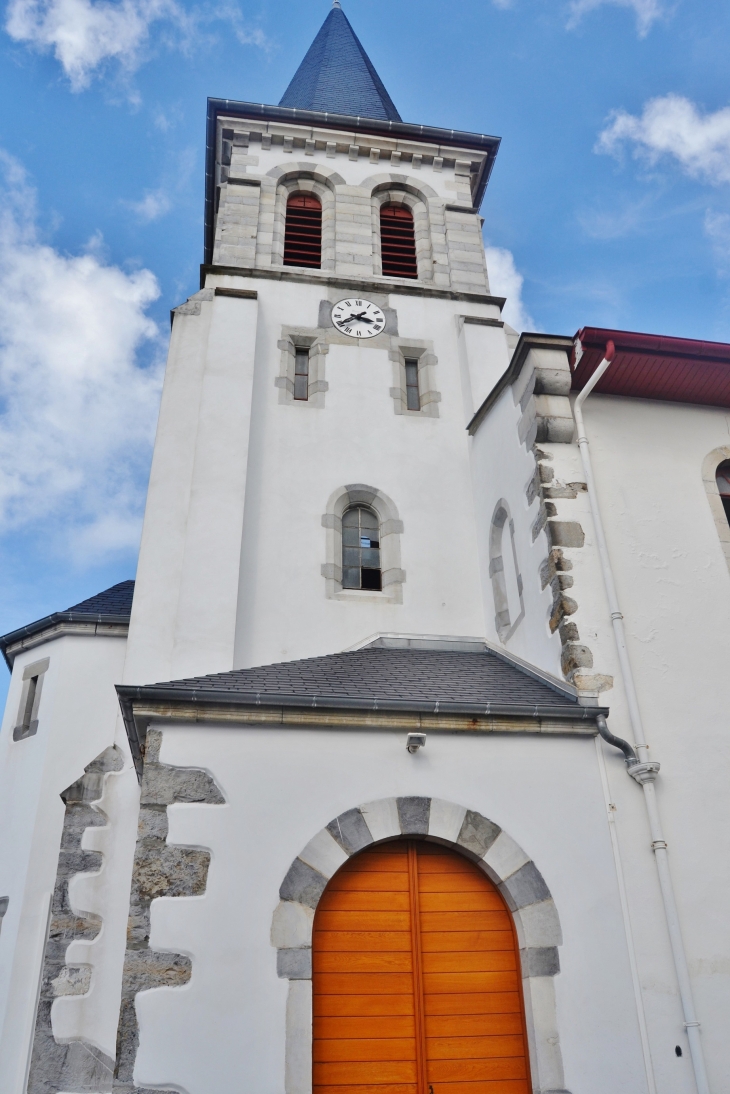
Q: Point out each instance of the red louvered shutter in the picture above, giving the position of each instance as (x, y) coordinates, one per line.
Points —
(303, 233)
(398, 241)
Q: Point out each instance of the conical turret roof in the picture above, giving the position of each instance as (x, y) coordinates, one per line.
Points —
(338, 77)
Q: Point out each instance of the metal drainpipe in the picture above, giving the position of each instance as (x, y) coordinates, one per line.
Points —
(643, 770)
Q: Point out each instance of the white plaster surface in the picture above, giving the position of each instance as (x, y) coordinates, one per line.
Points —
(546, 793)
(77, 717)
(502, 467)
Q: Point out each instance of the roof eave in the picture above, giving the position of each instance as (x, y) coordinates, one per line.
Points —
(172, 698)
(52, 620)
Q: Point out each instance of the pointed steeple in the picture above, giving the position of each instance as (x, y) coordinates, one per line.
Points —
(338, 77)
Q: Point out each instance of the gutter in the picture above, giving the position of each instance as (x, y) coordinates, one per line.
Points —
(130, 696)
(53, 620)
(639, 766)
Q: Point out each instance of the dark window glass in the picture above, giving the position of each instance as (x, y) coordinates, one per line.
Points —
(303, 232)
(413, 399)
(301, 374)
(398, 241)
(722, 476)
(29, 702)
(360, 549)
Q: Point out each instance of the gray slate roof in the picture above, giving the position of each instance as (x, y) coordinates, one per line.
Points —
(116, 600)
(113, 605)
(337, 76)
(380, 678)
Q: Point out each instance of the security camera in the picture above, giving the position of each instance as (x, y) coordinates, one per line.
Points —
(414, 741)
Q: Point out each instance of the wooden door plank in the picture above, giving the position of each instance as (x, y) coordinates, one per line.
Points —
(450, 982)
(367, 941)
(396, 1071)
(470, 961)
(472, 1025)
(493, 1002)
(445, 941)
(493, 1086)
(378, 1026)
(510, 1067)
(486, 920)
(363, 1049)
(363, 1005)
(474, 1048)
(395, 961)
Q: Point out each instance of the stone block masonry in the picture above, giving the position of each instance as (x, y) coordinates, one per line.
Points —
(159, 870)
(77, 1066)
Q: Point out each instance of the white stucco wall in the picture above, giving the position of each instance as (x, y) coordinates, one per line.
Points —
(77, 717)
(502, 467)
(674, 590)
(227, 1026)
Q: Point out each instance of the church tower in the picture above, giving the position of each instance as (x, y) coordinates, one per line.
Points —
(310, 485)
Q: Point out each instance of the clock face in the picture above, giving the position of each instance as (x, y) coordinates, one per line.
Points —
(358, 318)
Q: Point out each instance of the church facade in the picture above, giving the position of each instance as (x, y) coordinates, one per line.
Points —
(401, 767)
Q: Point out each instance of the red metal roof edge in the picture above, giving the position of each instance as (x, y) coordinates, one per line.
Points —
(627, 341)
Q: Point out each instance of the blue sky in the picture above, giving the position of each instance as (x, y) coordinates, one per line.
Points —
(609, 205)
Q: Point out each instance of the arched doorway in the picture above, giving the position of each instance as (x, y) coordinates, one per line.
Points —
(416, 978)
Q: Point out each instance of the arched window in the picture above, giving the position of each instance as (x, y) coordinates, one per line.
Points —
(360, 549)
(722, 477)
(303, 232)
(416, 978)
(398, 241)
(504, 572)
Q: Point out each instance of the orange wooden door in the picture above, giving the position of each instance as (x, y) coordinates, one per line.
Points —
(416, 979)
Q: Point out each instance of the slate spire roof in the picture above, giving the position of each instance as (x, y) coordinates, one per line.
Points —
(337, 76)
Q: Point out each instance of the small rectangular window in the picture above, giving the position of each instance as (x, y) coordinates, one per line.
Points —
(301, 374)
(29, 703)
(27, 724)
(413, 399)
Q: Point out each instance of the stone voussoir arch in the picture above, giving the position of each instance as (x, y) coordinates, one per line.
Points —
(305, 178)
(465, 831)
(386, 189)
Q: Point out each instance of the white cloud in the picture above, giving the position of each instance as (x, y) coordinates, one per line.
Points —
(673, 126)
(505, 280)
(85, 35)
(153, 205)
(77, 406)
(717, 230)
(647, 11)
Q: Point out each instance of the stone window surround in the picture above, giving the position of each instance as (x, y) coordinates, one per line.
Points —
(502, 518)
(467, 832)
(402, 191)
(36, 670)
(427, 362)
(710, 465)
(313, 339)
(305, 178)
(391, 527)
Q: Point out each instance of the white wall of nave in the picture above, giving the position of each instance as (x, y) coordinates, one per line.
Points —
(674, 591)
(281, 787)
